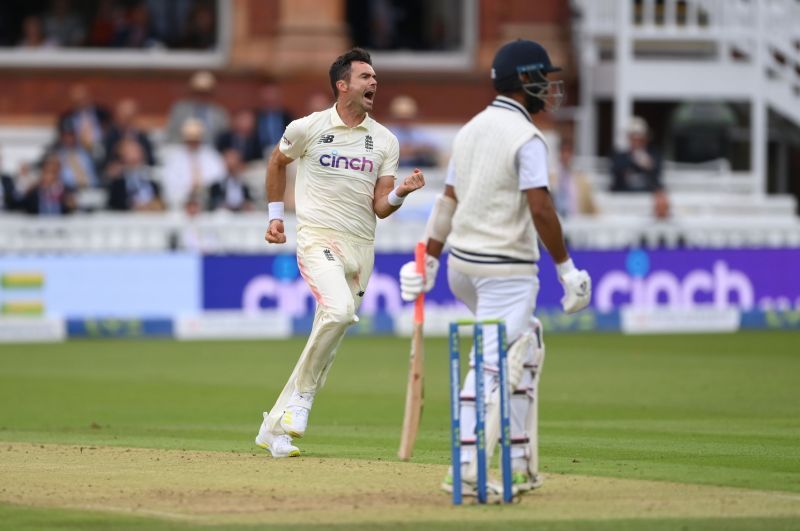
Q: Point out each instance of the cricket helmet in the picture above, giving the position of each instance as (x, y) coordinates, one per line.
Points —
(524, 65)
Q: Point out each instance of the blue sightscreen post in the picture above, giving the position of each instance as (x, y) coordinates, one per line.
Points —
(480, 413)
(455, 412)
(505, 415)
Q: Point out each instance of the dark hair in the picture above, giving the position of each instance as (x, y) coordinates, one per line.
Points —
(342, 66)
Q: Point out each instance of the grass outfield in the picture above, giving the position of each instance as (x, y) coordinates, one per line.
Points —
(657, 432)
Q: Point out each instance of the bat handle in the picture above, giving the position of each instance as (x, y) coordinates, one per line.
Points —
(419, 305)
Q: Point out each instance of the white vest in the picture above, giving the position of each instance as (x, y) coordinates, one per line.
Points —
(492, 232)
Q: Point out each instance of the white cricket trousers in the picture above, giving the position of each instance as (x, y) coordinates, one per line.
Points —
(336, 268)
(512, 299)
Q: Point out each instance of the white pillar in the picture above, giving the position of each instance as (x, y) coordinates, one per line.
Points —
(758, 109)
(623, 57)
(587, 127)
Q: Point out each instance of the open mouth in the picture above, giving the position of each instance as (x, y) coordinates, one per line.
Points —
(370, 95)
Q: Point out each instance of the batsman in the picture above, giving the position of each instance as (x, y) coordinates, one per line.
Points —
(495, 203)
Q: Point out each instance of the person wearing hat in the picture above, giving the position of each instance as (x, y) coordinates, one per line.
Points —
(417, 149)
(638, 169)
(200, 106)
(495, 209)
(192, 167)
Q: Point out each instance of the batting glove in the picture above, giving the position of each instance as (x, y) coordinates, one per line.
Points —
(412, 283)
(577, 287)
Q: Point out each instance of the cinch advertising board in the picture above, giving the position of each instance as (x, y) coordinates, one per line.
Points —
(747, 279)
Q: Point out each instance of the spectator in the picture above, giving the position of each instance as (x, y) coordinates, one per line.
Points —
(77, 168)
(272, 117)
(131, 186)
(125, 126)
(318, 101)
(417, 148)
(9, 197)
(198, 105)
(639, 168)
(193, 236)
(50, 196)
(241, 137)
(170, 19)
(88, 119)
(137, 31)
(33, 34)
(62, 26)
(192, 167)
(572, 190)
(231, 193)
(107, 21)
(201, 32)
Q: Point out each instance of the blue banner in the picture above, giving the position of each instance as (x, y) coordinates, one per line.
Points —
(746, 279)
(119, 328)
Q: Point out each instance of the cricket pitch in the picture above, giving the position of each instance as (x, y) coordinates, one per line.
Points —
(248, 488)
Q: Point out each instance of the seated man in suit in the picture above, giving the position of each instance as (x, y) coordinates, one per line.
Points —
(131, 186)
(638, 169)
(231, 193)
(50, 196)
(242, 137)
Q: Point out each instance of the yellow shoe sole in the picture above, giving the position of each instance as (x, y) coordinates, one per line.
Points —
(265, 446)
(287, 415)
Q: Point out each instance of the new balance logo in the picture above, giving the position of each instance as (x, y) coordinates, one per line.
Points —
(368, 143)
(329, 255)
(325, 139)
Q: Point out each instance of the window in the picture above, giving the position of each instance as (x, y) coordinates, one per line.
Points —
(415, 34)
(114, 33)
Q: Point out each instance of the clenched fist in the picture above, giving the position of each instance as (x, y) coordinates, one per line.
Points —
(275, 232)
(415, 181)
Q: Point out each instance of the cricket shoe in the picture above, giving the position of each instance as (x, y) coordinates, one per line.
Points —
(525, 482)
(277, 445)
(494, 490)
(295, 417)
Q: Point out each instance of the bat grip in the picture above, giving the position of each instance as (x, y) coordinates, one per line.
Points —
(419, 305)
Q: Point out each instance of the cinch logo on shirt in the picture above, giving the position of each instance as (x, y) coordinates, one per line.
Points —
(335, 161)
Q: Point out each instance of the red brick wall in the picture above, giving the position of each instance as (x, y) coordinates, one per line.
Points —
(37, 96)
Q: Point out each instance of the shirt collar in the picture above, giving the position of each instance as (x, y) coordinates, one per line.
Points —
(336, 120)
(505, 102)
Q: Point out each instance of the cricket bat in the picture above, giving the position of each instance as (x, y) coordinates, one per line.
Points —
(414, 391)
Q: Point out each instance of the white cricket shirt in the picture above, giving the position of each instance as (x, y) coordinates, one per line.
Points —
(338, 167)
(496, 155)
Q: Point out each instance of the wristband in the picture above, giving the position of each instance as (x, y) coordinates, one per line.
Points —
(394, 199)
(565, 267)
(275, 210)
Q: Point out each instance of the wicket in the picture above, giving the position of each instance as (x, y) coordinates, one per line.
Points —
(480, 410)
